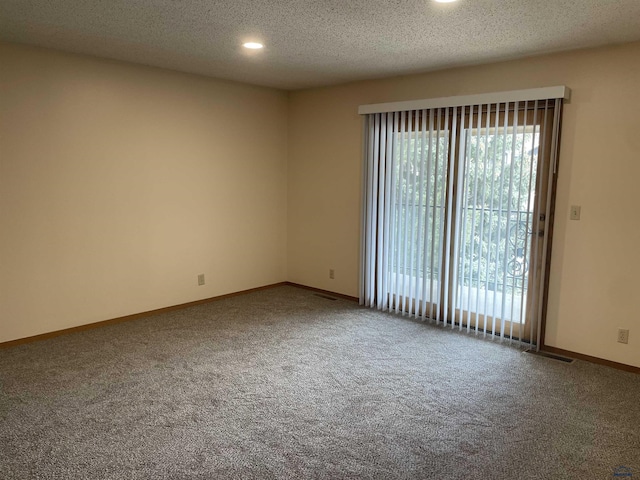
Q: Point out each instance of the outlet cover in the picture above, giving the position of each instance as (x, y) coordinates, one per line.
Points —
(201, 279)
(623, 335)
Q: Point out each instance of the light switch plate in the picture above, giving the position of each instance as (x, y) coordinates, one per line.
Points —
(575, 212)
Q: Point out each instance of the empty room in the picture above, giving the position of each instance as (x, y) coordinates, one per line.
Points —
(319, 239)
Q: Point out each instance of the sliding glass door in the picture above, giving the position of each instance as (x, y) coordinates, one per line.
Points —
(462, 198)
(499, 219)
(418, 196)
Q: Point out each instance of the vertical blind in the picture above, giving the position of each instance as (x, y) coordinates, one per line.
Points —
(458, 201)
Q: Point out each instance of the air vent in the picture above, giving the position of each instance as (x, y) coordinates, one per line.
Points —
(551, 355)
(325, 296)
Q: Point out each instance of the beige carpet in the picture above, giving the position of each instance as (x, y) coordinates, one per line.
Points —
(285, 384)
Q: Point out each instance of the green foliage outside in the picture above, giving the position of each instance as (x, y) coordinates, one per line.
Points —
(494, 212)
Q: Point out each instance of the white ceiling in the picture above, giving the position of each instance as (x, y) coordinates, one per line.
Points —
(316, 42)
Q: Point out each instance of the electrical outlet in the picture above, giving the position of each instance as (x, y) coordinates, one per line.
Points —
(201, 279)
(623, 335)
(332, 273)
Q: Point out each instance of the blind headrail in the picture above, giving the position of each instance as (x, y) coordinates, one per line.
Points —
(531, 94)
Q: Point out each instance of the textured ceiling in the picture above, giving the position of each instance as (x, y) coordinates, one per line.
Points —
(316, 42)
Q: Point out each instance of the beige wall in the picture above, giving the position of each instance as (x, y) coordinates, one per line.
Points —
(595, 274)
(119, 184)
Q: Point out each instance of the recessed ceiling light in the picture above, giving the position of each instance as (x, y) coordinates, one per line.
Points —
(445, 1)
(253, 45)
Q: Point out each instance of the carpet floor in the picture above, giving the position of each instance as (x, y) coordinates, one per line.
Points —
(282, 383)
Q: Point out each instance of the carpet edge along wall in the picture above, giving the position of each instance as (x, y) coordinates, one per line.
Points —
(135, 316)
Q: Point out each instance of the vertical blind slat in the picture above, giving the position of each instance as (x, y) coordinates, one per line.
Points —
(463, 220)
(493, 253)
(373, 204)
(364, 227)
(405, 216)
(399, 251)
(474, 203)
(446, 214)
(509, 213)
(411, 202)
(503, 252)
(499, 252)
(426, 230)
(519, 227)
(388, 215)
(467, 220)
(459, 220)
(381, 204)
(393, 220)
(420, 137)
(489, 167)
(433, 301)
(370, 220)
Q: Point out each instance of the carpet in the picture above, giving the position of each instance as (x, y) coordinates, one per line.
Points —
(282, 383)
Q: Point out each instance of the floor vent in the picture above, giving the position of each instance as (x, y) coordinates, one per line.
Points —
(324, 296)
(551, 355)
